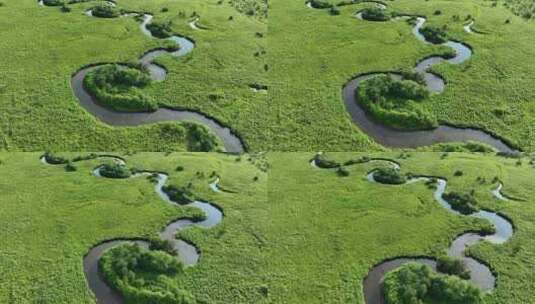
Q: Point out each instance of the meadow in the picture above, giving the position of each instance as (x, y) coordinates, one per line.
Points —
(291, 232)
(313, 53)
(39, 110)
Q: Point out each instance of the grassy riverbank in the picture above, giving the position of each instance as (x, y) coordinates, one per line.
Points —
(313, 54)
(298, 234)
(40, 112)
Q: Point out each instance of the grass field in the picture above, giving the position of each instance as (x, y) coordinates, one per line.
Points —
(49, 229)
(312, 54)
(40, 112)
(298, 234)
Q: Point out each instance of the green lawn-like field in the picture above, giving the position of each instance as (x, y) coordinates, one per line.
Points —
(42, 47)
(296, 234)
(312, 54)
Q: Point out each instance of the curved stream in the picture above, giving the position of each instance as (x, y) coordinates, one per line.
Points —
(231, 141)
(390, 137)
(480, 274)
(187, 253)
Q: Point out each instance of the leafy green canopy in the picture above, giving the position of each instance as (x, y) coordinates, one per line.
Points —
(144, 276)
(415, 283)
(118, 88)
(396, 103)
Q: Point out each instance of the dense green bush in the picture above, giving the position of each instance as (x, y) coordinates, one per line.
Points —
(53, 2)
(322, 162)
(115, 170)
(105, 11)
(389, 176)
(396, 103)
(70, 167)
(320, 4)
(415, 283)
(55, 159)
(342, 171)
(375, 14)
(178, 194)
(118, 88)
(453, 266)
(163, 245)
(464, 203)
(160, 29)
(144, 276)
(200, 139)
(434, 34)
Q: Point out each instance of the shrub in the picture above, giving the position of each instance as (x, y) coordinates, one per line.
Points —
(322, 162)
(437, 12)
(177, 194)
(144, 276)
(55, 159)
(65, 9)
(334, 11)
(320, 4)
(164, 10)
(118, 88)
(414, 283)
(375, 14)
(160, 29)
(105, 11)
(53, 2)
(115, 170)
(70, 167)
(464, 203)
(163, 245)
(453, 266)
(389, 176)
(342, 171)
(434, 34)
(396, 103)
(179, 168)
(200, 139)
(458, 173)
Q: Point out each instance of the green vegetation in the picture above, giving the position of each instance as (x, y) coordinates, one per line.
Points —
(375, 14)
(160, 29)
(308, 68)
(178, 194)
(416, 283)
(105, 11)
(53, 2)
(396, 103)
(323, 162)
(329, 231)
(38, 86)
(434, 34)
(63, 215)
(452, 266)
(464, 203)
(307, 236)
(144, 276)
(118, 88)
(389, 176)
(115, 170)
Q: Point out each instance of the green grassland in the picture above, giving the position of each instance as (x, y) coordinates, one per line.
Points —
(298, 234)
(312, 54)
(51, 218)
(42, 47)
(331, 230)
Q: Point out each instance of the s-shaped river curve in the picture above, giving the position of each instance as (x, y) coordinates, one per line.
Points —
(231, 141)
(480, 273)
(187, 253)
(390, 137)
